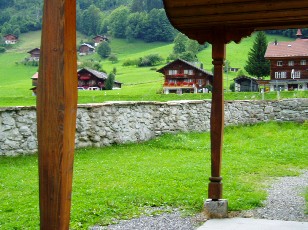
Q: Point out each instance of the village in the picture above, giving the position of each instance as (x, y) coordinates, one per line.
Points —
(288, 70)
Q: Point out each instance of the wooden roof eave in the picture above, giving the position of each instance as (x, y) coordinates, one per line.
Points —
(236, 18)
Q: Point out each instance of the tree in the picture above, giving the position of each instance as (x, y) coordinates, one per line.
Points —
(157, 27)
(109, 81)
(137, 6)
(91, 20)
(188, 56)
(104, 49)
(180, 43)
(135, 26)
(118, 21)
(256, 64)
(226, 66)
(192, 46)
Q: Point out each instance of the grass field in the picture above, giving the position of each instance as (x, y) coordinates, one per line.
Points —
(120, 181)
(139, 83)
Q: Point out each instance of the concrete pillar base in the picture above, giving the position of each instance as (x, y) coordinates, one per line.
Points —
(216, 209)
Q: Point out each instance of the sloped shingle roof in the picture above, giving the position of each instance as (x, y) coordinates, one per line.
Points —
(297, 48)
(97, 74)
(188, 63)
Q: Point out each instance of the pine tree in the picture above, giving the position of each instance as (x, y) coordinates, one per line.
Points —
(256, 64)
(109, 81)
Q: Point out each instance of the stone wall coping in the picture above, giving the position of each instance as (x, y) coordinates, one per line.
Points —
(175, 102)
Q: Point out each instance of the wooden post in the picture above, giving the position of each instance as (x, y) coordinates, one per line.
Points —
(217, 119)
(56, 112)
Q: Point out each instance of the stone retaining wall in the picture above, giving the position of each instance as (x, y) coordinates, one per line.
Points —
(121, 122)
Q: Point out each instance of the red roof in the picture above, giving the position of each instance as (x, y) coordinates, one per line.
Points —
(35, 76)
(297, 48)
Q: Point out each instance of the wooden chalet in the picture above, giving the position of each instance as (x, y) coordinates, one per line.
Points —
(184, 77)
(34, 54)
(10, 39)
(100, 38)
(289, 64)
(89, 79)
(246, 84)
(34, 83)
(85, 49)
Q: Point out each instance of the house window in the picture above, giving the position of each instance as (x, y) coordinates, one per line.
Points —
(172, 81)
(279, 63)
(280, 75)
(303, 62)
(295, 74)
(190, 80)
(291, 63)
(188, 71)
(200, 81)
(173, 71)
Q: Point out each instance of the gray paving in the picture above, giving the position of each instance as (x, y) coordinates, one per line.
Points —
(252, 224)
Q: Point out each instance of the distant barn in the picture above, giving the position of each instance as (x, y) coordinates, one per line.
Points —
(246, 84)
(99, 39)
(85, 49)
(34, 54)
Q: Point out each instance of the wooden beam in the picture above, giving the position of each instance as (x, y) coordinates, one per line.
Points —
(217, 117)
(56, 112)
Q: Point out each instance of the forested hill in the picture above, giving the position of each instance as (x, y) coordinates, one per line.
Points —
(130, 19)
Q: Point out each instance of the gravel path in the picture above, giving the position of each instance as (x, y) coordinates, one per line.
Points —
(285, 202)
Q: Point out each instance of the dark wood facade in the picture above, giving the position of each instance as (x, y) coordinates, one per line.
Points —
(100, 38)
(85, 49)
(246, 84)
(289, 65)
(183, 77)
(89, 79)
(10, 39)
(34, 54)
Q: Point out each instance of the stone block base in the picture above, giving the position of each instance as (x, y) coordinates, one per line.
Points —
(216, 209)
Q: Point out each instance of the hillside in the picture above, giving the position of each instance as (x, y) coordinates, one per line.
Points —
(139, 83)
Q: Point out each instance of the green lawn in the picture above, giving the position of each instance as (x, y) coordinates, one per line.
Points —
(118, 182)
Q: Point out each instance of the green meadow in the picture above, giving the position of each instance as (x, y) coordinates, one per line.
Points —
(138, 83)
(122, 181)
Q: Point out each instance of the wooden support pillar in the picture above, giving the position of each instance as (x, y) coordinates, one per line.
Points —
(217, 119)
(56, 112)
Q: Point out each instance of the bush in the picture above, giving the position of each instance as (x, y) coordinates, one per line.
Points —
(232, 86)
(113, 58)
(2, 49)
(130, 62)
(150, 60)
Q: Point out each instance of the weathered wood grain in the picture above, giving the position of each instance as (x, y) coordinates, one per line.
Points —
(56, 112)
